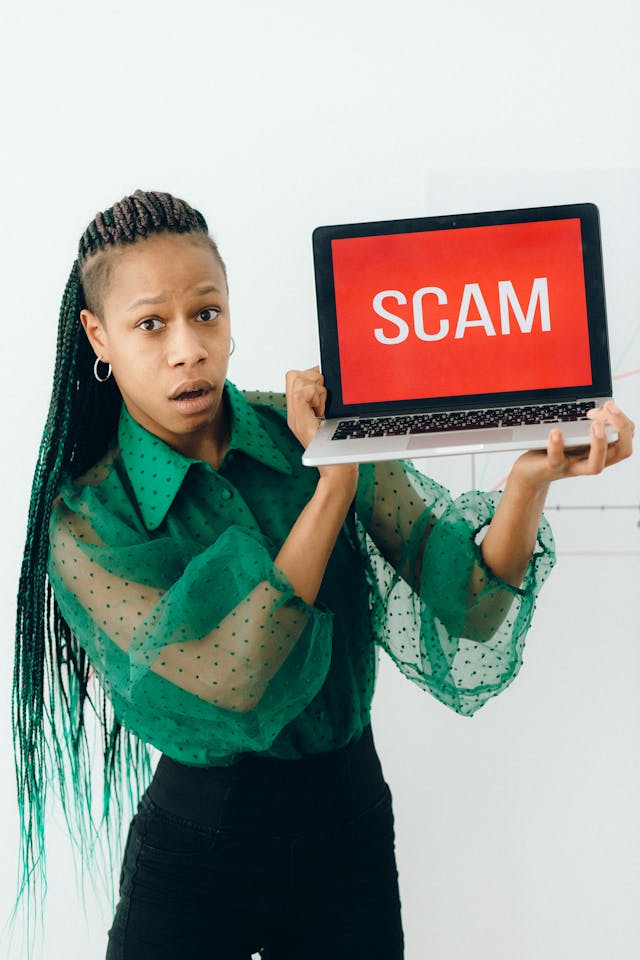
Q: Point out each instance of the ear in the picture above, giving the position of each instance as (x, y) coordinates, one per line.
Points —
(96, 334)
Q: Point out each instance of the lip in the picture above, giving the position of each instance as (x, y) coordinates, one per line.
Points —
(196, 404)
(188, 385)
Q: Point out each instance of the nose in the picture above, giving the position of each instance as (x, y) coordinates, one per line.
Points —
(185, 344)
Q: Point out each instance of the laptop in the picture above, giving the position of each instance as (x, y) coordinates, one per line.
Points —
(469, 333)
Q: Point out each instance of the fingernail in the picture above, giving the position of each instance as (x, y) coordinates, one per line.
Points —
(612, 407)
(598, 429)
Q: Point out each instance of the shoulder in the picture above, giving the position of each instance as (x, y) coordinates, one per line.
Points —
(73, 489)
(95, 477)
(100, 472)
(269, 411)
(100, 494)
(270, 408)
(266, 399)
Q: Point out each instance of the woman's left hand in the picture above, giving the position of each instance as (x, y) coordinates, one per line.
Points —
(511, 536)
(536, 469)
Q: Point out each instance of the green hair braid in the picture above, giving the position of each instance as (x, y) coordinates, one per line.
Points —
(52, 674)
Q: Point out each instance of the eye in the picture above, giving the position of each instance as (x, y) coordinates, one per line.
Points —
(209, 313)
(149, 320)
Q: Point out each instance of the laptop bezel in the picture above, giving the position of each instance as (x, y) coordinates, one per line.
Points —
(589, 217)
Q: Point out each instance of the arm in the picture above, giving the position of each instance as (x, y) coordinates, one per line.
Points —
(306, 551)
(451, 614)
(507, 548)
(219, 628)
(510, 539)
(222, 626)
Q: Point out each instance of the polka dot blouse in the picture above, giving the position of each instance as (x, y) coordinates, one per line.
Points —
(163, 568)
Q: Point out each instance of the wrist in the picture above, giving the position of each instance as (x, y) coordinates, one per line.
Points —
(338, 484)
(526, 487)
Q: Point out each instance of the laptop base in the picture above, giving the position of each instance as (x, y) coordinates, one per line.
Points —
(323, 450)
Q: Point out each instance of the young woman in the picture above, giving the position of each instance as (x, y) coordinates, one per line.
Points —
(231, 604)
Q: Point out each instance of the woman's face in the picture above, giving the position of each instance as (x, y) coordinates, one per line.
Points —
(166, 330)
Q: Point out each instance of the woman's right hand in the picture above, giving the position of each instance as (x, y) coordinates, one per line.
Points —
(305, 553)
(306, 399)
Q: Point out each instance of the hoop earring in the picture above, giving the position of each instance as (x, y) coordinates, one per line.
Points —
(233, 346)
(95, 371)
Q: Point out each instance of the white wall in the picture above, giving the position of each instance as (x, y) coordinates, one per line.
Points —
(518, 834)
(517, 830)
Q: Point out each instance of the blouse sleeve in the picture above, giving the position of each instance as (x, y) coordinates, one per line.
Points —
(209, 648)
(442, 615)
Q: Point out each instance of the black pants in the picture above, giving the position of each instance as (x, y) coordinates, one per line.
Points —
(291, 859)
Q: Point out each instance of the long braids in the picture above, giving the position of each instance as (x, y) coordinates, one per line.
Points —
(52, 675)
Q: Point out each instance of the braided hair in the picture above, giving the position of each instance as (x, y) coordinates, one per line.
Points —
(51, 681)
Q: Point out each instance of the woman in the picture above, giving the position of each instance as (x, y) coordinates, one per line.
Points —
(231, 603)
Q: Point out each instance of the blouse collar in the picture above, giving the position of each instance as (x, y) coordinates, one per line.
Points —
(157, 471)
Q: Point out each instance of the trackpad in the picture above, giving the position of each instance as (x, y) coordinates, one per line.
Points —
(460, 438)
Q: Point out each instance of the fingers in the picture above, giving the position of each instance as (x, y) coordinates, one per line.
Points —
(591, 460)
(576, 462)
(596, 459)
(611, 414)
(306, 399)
(555, 451)
(536, 470)
(307, 387)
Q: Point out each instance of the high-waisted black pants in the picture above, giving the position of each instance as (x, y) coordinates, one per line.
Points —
(285, 859)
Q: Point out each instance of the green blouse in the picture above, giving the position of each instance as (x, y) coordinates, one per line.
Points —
(163, 569)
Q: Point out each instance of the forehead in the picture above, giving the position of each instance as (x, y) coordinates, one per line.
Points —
(164, 263)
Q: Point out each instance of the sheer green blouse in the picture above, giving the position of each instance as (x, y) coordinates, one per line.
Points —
(163, 568)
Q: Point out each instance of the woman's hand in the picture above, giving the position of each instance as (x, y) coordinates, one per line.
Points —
(306, 399)
(305, 553)
(511, 536)
(536, 469)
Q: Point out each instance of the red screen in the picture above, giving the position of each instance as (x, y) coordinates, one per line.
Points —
(452, 312)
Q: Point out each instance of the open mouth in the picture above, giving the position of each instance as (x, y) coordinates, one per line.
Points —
(190, 395)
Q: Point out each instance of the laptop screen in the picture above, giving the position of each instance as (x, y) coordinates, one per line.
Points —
(481, 305)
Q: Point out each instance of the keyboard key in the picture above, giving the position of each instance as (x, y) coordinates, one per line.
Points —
(459, 420)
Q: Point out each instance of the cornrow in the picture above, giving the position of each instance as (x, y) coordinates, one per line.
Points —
(128, 221)
(51, 679)
(137, 216)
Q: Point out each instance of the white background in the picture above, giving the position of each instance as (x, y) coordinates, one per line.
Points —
(517, 831)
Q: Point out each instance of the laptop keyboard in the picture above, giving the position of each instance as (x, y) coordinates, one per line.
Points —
(460, 420)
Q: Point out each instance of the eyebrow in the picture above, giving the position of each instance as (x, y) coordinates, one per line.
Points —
(198, 291)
